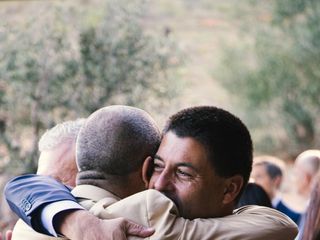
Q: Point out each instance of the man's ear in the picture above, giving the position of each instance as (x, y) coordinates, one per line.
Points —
(277, 181)
(232, 189)
(147, 170)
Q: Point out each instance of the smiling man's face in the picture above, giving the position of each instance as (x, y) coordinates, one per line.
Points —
(183, 173)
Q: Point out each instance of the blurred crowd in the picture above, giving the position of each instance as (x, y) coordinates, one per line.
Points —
(267, 188)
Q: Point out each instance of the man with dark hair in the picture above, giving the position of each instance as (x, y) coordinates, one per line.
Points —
(254, 194)
(267, 172)
(203, 148)
(187, 169)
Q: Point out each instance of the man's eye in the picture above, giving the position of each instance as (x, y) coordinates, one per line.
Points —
(157, 167)
(183, 173)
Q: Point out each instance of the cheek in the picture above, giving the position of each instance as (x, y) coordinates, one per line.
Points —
(202, 203)
(185, 186)
(301, 181)
(189, 194)
(184, 190)
(266, 183)
(188, 200)
(263, 182)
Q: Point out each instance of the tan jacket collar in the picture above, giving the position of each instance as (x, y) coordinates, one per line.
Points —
(92, 192)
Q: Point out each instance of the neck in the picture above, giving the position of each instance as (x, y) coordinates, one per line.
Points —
(121, 186)
(98, 179)
(227, 211)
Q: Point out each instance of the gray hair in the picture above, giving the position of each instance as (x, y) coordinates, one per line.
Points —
(310, 161)
(61, 133)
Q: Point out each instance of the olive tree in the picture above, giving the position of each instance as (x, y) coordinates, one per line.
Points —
(61, 64)
(277, 79)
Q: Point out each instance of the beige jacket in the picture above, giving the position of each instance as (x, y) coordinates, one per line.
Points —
(151, 208)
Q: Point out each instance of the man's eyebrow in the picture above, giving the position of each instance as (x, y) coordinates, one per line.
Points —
(182, 164)
(185, 164)
(158, 157)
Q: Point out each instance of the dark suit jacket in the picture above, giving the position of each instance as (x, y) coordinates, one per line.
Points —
(295, 216)
(26, 204)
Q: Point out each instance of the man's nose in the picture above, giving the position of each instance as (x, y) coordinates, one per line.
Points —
(164, 183)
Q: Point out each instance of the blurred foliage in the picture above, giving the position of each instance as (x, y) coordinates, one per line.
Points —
(71, 59)
(277, 78)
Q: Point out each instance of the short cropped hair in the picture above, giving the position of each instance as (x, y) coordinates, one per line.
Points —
(224, 136)
(61, 133)
(116, 140)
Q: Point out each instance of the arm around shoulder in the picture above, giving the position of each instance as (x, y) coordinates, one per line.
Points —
(268, 222)
(28, 194)
(247, 223)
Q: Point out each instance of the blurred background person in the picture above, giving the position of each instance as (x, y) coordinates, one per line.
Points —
(7, 217)
(254, 194)
(57, 152)
(306, 168)
(267, 171)
(311, 228)
(57, 159)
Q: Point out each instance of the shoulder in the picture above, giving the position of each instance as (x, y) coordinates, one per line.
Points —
(282, 207)
(270, 218)
(146, 208)
(152, 200)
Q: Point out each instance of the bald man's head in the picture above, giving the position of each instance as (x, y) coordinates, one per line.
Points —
(114, 143)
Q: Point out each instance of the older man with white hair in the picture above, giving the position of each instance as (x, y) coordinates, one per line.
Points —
(307, 165)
